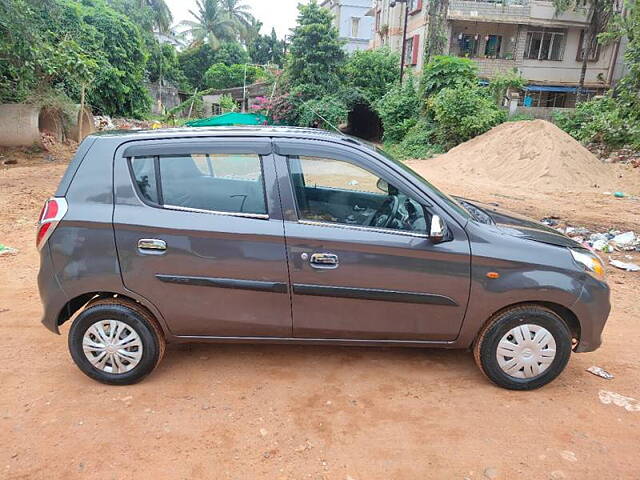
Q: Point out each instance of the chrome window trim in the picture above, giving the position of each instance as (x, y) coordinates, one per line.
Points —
(365, 229)
(261, 216)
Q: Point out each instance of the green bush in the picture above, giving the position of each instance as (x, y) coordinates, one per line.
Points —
(372, 72)
(502, 82)
(326, 112)
(603, 121)
(398, 110)
(447, 72)
(462, 113)
(416, 144)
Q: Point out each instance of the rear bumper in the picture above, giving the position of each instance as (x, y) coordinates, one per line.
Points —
(52, 295)
(592, 308)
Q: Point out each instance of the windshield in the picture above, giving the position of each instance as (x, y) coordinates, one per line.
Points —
(452, 202)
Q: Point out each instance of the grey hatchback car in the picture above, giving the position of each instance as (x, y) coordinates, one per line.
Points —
(286, 235)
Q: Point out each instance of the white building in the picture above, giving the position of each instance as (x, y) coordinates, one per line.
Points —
(353, 25)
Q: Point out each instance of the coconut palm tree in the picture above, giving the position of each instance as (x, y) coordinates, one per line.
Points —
(162, 14)
(211, 25)
(239, 12)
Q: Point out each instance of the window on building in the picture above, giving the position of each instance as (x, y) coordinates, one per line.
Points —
(355, 27)
(412, 46)
(594, 55)
(414, 5)
(493, 46)
(468, 45)
(544, 45)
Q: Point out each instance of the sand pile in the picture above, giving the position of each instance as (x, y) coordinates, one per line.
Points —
(534, 154)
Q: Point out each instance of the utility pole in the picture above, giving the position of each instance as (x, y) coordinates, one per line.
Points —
(404, 33)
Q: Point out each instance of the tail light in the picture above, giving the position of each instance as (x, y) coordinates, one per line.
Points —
(54, 209)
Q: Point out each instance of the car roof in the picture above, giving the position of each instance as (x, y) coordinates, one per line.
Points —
(250, 131)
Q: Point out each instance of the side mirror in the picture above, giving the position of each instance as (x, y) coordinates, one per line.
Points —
(438, 229)
(383, 186)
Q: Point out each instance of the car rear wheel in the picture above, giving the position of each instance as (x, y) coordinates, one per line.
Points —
(116, 341)
(523, 348)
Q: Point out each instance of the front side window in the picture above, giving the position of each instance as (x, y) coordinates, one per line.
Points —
(493, 46)
(229, 183)
(341, 192)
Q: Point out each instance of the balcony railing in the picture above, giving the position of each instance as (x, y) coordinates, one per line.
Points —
(503, 10)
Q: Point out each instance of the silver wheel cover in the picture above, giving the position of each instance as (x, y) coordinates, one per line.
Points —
(526, 351)
(112, 346)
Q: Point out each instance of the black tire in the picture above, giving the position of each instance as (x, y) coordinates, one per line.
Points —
(486, 345)
(137, 318)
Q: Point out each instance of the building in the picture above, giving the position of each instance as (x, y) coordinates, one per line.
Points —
(354, 26)
(501, 35)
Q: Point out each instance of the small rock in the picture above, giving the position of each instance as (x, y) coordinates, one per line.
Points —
(491, 473)
(204, 357)
(558, 475)
(569, 456)
(126, 399)
(263, 432)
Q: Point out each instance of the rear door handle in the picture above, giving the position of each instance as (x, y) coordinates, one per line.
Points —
(152, 244)
(324, 260)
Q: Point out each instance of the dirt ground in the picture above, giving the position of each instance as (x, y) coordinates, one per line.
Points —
(293, 412)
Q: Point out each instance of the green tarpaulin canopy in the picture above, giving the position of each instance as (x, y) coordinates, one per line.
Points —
(229, 119)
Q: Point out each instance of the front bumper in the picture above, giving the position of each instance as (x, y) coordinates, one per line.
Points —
(592, 309)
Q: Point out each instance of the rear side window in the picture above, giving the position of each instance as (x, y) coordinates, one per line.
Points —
(145, 176)
(228, 183)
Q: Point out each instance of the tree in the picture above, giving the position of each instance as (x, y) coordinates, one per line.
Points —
(195, 61)
(162, 17)
(220, 75)
(447, 72)
(599, 13)
(239, 13)
(316, 52)
(372, 72)
(436, 35)
(265, 49)
(212, 25)
(398, 109)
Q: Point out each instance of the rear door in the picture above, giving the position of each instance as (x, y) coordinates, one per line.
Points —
(199, 233)
(358, 272)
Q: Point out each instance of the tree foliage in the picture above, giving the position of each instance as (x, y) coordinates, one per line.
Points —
(195, 61)
(372, 72)
(211, 24)
(398, 109)
(447, 72)
(316, 53)
(220, 75)
(64, 44)
(462, 113)
(266, 49)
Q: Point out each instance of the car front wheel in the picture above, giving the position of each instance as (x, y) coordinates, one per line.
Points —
(116, 342)
(523, 348)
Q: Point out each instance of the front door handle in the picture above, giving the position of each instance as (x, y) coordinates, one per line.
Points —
(324, 260)
(152, 244)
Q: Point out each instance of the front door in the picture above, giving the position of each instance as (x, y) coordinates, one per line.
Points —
(200, 236)
(360, 260)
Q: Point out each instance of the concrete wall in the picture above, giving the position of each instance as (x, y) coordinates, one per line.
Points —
(165, 97)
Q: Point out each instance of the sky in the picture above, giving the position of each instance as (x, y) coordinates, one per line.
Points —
(280, 14)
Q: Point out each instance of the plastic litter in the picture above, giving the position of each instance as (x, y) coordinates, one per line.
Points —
(629, 267)
(600, 372)
(602, 246)
(4, 250)
(626, 241)
(619, 194)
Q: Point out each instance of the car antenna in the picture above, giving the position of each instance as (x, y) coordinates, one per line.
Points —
(325, 120)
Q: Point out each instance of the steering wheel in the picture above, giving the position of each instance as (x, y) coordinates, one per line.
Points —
(387, 212)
